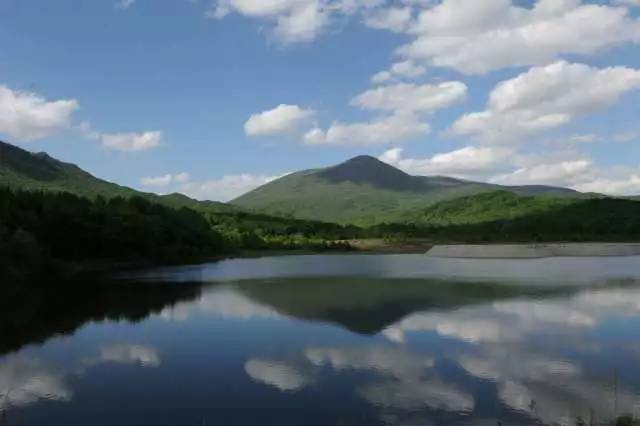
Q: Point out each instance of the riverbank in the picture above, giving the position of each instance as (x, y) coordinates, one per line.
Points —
(534, 251)
(386, 246)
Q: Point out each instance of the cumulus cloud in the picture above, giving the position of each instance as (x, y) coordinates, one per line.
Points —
(405, 97)
(476, 37)
(404, 103)
(465, 163)
(28, 116)
(294, 21)
(629, 185)
(544, 98)
(132, 141)
(400, 70)
(165, 180)
(394, 19)
(302, 21)
(226, 188)
(563, 173)
(283, 119)
(385, 130)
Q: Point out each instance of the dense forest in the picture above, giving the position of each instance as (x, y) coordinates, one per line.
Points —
(504, 217)
(43, 231)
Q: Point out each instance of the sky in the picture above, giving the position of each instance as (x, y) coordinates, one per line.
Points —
(213, 98)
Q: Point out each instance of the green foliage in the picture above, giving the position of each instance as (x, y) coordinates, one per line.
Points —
(502, 216)
(71, 228)
(492, 206)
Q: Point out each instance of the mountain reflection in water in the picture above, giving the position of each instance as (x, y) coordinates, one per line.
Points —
(323, 350)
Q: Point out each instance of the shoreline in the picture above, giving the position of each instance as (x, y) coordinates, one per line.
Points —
(534, 250)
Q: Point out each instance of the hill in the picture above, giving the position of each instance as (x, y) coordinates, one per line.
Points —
(23, 170)
(505, 216)
(486, 207)
(365, 191)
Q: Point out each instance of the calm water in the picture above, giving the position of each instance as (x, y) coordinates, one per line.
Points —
(329, 340)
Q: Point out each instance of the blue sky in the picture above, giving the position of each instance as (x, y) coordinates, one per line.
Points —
(213, 98)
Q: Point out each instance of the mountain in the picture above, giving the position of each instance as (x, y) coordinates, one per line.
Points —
(21, 169)
(366, 191)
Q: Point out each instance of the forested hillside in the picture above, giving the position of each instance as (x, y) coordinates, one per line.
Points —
(40, 231)
(502, 216)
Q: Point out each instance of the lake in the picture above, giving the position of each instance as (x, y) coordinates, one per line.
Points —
(329, 340)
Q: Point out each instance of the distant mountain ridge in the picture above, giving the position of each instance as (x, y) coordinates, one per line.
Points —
(366, 191)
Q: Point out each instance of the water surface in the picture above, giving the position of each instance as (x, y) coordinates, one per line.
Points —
(329, 340)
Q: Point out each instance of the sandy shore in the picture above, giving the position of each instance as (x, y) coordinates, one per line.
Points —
(535, 251)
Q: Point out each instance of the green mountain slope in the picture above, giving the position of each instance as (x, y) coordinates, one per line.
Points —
(365, 191)
(504, 216)
(486, 207)
(20, 169)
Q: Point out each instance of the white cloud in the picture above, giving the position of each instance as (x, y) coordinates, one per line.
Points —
(28, 116)
(392, 129)
(404, 102)
(476, 37)
(394, 19)
(125, 4)
(399, 70)
(302, 21)
(284, 119)
(165, 180)
(302, 24)
(603, 185)
(294, 21)
(278, 374)
(545, 98)
(132, 141)
(226, 188)
(405, 97)
(563, 173)
(466, 163)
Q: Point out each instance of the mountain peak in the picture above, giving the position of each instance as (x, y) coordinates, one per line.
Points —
(365, 169)
(362, 159)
